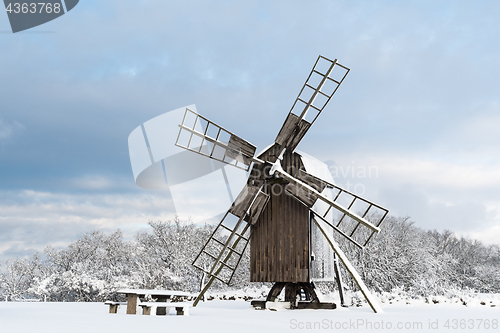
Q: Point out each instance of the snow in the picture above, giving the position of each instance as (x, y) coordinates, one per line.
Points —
(153, 292)
(238, 316)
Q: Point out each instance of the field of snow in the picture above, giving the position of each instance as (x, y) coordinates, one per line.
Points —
(238, 316)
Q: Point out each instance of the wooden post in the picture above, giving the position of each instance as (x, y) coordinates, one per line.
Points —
(205, 288)
(132, 303)
(338, 278)
(113, 308)
(161, 311)
(275, 291)
(374, 304)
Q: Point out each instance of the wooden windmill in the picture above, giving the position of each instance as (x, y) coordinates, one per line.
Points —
(282, 201)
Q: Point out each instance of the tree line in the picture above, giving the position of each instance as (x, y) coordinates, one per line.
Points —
(92, 268)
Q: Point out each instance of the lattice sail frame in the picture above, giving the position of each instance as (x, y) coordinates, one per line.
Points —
(214, 142)
(224, 249)
(323, 81)
(352, 230)
(356, 228)
(222, 253)
(321, 84)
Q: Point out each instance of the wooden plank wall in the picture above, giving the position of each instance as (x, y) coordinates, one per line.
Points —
(279, 248)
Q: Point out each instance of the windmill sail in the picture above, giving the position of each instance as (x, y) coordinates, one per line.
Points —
(214, 141)
(321, 84)
(250, 203)
(303, 190)
(220, 256)
(224, 249)
(353, 202)
(307, 188)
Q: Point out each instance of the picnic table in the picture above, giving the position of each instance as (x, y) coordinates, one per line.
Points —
(165, 296)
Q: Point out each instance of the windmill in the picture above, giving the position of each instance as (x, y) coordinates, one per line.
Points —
(284, 202)
(289, 210)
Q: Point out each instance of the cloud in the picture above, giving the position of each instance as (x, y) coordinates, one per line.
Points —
(9, 129)
(434, 193)
(488, 236)
(93, 182)
(435, 173)
(420, 103)
(463, 216)
(32, 220)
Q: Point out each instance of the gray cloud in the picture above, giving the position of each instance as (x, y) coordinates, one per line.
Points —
(421, 101)
(459, 217)
(9, 129)
(31, 220)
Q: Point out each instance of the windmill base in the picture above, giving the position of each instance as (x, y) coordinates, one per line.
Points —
(301, 295)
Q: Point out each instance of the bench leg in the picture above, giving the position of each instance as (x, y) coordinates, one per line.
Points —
(113, 308)
(182, 311)
(131, 303)
(162, 311)
(146, 310)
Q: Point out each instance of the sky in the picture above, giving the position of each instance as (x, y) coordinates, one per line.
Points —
(414, 126)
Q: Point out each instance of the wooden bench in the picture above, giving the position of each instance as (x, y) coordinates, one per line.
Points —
(113, 306)
(149, 308)
(134, 296)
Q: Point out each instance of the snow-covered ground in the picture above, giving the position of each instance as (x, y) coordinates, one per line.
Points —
(238, 316)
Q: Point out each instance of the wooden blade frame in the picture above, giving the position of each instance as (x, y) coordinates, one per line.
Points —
(221, 261)
(214, 141)
(315, 94)
(320, 184)
(226, 246)
(310, 191)
(251, 204)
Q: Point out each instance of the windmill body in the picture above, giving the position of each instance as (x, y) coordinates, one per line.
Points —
(283, 201)
(279, 247)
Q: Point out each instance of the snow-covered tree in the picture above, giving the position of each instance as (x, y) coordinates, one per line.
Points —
(18, 276)
(402, 257)
(89, 269)
(168, 252)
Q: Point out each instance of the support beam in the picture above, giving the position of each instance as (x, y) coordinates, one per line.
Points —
(338, 278)
(374, 304)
